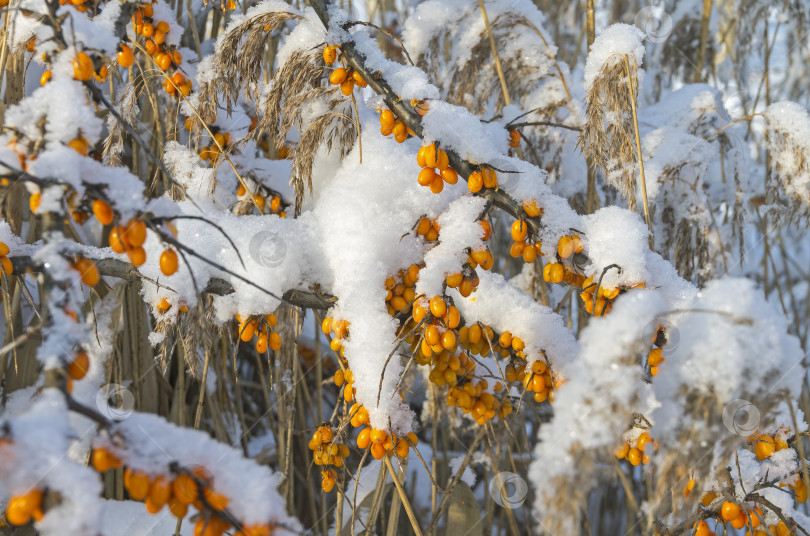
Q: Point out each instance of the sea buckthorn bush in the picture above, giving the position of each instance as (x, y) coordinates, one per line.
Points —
(230, 309)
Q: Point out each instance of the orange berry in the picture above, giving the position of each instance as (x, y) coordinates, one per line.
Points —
(185, 489)
(701, 528)
(487, 229)
(46, 76)
(765, 447)
(163, 60)
(329, 54)
(168, 262)
(426, 176)
(634, 456)
(150, 47)
(77, 369)
(261, 343)
(531, 208)
(79, 145)
(565, 247)
(437, 185)
(164, 305)
(177, 507)
(475, 181)
(125, 57)
(519, 231)
(82, 67)
(160, 491)
(137, 484)
(387, 119)
(136, 232)
(338, 76)
(452, 318)
(103, 460)
(274, 341)
(729, 511)
(88, 271)
(739, 521)
(347, 87)
(514, 138)
(116, 243)
(216, 500)
(103, 212)
(34, 200)
(137, 256)
(148, 29)
(402, 447)
(437, 306)
(364, 439)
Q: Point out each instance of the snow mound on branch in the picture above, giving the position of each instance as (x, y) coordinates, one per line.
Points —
(610, 47)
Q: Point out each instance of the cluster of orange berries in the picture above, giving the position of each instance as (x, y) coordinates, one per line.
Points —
(340, 329)
(88, 271)
(539, 381)
(130, 238)
(84, 64)
(276, 204)
(177, 493)
(345, 377)
(389, 124)
(479, 339)
(599, 303)
(428, 228)
(259, 327)
(473, 399)
(326, 451)
(438, 332)
(766, 445)
(382, 443)
(483, 177)
(738, 518)
(212, 152)
(154, 34)
(448, 367)
(80, 5)
(400, 294)
(522, 245)
(634, 451)
(436, 168)
(8, 267)
(346, 79)
(23, 508)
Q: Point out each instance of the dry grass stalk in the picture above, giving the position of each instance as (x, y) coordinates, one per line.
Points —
(608, 137)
